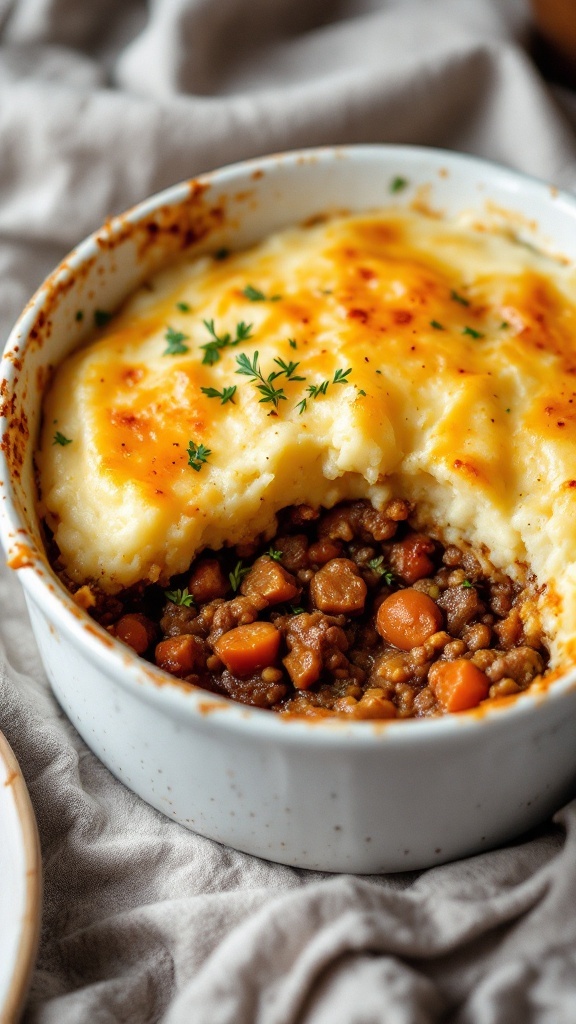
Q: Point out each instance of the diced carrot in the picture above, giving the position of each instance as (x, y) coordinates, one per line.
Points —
(248, 648)
(408, 618)
(179, 655)
(303, 666)
(136, 630)
(458, 684)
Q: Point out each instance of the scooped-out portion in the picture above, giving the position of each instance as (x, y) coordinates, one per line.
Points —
(332, 474)
(345, 612)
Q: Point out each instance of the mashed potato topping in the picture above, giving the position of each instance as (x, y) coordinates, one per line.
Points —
(358, 357)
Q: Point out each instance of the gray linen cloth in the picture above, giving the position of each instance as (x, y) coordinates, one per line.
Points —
(102, 103)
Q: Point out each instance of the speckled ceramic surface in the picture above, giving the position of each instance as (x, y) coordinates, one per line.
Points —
(20, 887)
(332, 795)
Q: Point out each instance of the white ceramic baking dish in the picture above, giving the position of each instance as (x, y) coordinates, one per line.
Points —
(362, 796)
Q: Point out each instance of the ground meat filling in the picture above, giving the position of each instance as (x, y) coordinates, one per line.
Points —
(347, 612)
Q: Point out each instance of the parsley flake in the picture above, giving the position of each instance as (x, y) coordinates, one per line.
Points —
(341, 375)
(397, 184)
(221, 254)
(79, 315)
(61, 440)
(219, 341)
(274, 554)
(183, 598)
(197, 455)
(437, 326)
(467, 584)
(226, 395)
(472, 333)
(266, 387)
(296, 610)
(183, 307)
(504, 325)
(237, 575)
(376, 565)
(101, 317)
(362, 392)
(292, 343)
(315, 390)
(288, 368)
(175, 340)
(459, 298)
(255, 295)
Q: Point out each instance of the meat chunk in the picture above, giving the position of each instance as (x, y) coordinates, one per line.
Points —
(176, 619)
(315, 642)
(521, 664)
(269, 580)
(237, 612)
(509, 630)
(361, 519)
(410, 558)
(294, 551)
(338, 588)
(461, 605)
(208, 581)
(323, 550)
(256, 690)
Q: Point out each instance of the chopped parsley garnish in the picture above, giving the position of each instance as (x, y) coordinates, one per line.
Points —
(362, 392)
(340, 376)
(237, 575)
(472, 333)
(79, 315)
(274, 554)
(504, 325)
(183, 307)
(60, 439)
(197, 455)
(467, 584)
(175, 342)
(315, 390)
(219, 341)
(255, 295)
(397, 184)
(508, 410)
(221, 254)
(437, 326)
(266, 387)
(459, 298)
(226, 395)
(376, 565)
(183, 598)
(292, 342)
(288, 368)
(101, 317)
(296, 610)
